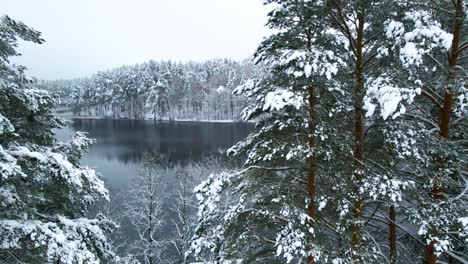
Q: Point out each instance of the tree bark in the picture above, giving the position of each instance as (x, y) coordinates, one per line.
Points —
(453, 60)
(359, 134)
(312, 161)
(431, 258)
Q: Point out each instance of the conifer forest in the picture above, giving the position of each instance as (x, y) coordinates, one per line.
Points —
(340, 136)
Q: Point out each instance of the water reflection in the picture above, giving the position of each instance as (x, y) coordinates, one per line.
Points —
(121, 144)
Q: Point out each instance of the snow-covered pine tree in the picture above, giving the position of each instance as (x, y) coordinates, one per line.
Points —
(370, 78)
(44, 193)
(162, 88)
(186, 90)
(268, 212)
(430, 41)
(231, 202)
(75, 98)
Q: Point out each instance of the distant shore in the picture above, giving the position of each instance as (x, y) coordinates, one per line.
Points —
(158, 120)
(65, 113)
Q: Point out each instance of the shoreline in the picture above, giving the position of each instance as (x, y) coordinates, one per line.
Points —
(68, 115)
(158, 120)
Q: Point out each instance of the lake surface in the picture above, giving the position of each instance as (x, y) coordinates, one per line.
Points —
(121, 144)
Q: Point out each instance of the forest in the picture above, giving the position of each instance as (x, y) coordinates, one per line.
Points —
(358, 155)
(159, 91)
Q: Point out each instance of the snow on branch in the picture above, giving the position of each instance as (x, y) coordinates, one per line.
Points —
(57, 165)
(279, 99)
(66, 241)
(419, 38)
(384, 93)
(5, 125)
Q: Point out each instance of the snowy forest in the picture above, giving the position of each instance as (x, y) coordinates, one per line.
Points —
(159, 90)
(358, 154)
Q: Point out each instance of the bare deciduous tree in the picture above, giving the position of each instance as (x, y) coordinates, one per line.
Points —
(143, 207)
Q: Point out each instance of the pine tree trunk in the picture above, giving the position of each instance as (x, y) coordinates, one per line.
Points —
(453, 60)
(446, 111)
(392, 235)
(312, 161)
(359, 135)
(431, 258)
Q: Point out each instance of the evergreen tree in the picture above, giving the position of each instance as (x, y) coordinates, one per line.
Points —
(44, 192)
(358, 186)
(158, 90)
(429, 40)
(271, 214)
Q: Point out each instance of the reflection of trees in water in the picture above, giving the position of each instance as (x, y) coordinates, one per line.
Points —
(181, 142)
(185, 151)
(173, 158)
(177, 183)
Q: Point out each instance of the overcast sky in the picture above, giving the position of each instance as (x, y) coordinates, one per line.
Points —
(85, 36)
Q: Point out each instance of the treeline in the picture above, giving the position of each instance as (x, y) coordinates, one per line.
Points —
(159, 90)
(359, 153)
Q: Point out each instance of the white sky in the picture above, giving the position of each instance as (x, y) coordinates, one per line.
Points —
(85, 36)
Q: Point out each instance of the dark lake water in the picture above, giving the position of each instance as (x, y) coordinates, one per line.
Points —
(120, 148)
(121, 144)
